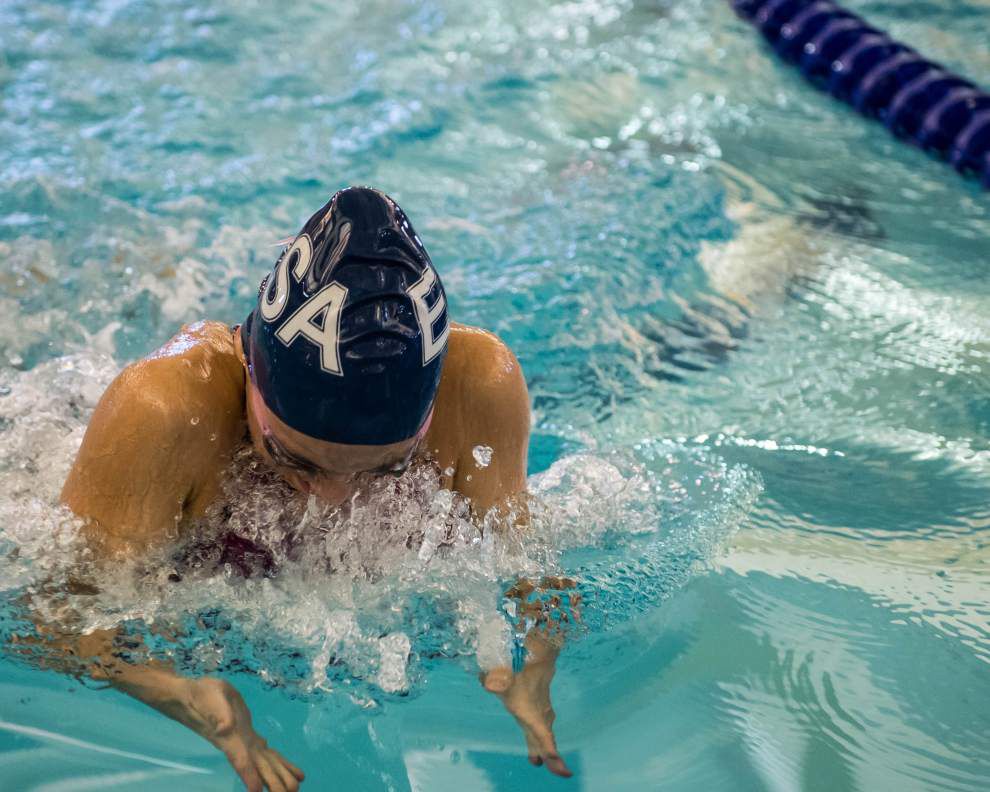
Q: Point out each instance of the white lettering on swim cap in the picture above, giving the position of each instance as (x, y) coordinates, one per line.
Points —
(326, 335)
(272, 309)
(303, 249)
(426, 316)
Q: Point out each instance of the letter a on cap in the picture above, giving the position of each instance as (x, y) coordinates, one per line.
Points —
(325, 333)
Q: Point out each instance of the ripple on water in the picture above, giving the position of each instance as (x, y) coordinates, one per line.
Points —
(845, 689)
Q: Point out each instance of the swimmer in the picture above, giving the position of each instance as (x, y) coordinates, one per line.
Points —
(347, 367)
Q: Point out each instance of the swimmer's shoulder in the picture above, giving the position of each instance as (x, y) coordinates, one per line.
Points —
(161, 436)
(200, 364)
(479, 360)
(195, 377)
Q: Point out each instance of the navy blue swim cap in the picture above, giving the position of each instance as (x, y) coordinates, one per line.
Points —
(350, 331)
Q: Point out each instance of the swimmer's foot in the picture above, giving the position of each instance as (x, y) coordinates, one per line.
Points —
(215, 710)
(526, 695)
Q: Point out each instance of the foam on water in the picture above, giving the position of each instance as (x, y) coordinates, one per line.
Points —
(361, 597)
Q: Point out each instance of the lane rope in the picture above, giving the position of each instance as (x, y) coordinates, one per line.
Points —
(917, 99)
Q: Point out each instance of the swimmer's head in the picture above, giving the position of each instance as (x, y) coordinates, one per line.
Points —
(349, 334)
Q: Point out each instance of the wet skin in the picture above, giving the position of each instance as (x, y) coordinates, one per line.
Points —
(160, 441)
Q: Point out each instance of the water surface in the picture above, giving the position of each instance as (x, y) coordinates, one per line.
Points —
(754, 328)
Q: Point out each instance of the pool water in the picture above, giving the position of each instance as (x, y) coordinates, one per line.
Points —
(755, 329)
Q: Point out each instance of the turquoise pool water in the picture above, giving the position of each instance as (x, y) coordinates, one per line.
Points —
(756, 332)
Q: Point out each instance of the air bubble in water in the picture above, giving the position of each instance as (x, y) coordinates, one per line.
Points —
(194, 420)
(482, 455)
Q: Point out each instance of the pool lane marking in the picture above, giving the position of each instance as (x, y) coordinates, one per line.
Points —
(44, 734)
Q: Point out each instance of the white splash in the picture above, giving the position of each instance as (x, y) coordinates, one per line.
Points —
(308, 597)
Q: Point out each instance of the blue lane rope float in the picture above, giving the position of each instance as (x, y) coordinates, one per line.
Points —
(916, 99)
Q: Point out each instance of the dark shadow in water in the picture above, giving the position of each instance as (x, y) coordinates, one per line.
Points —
(844, 214)
(825, 767)
(710, 327)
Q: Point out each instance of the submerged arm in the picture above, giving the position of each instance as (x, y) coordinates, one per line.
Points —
(210, 707)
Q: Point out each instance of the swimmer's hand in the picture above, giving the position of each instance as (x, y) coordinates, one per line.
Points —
(526, 695)
(215, 710)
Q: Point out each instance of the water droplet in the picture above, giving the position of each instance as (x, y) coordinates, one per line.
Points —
(482, 455)
(449, 471)
(194, 420)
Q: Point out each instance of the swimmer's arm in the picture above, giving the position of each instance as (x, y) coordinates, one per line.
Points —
(141, 462)
(499, 419)
(210, 707)
(134, 476)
